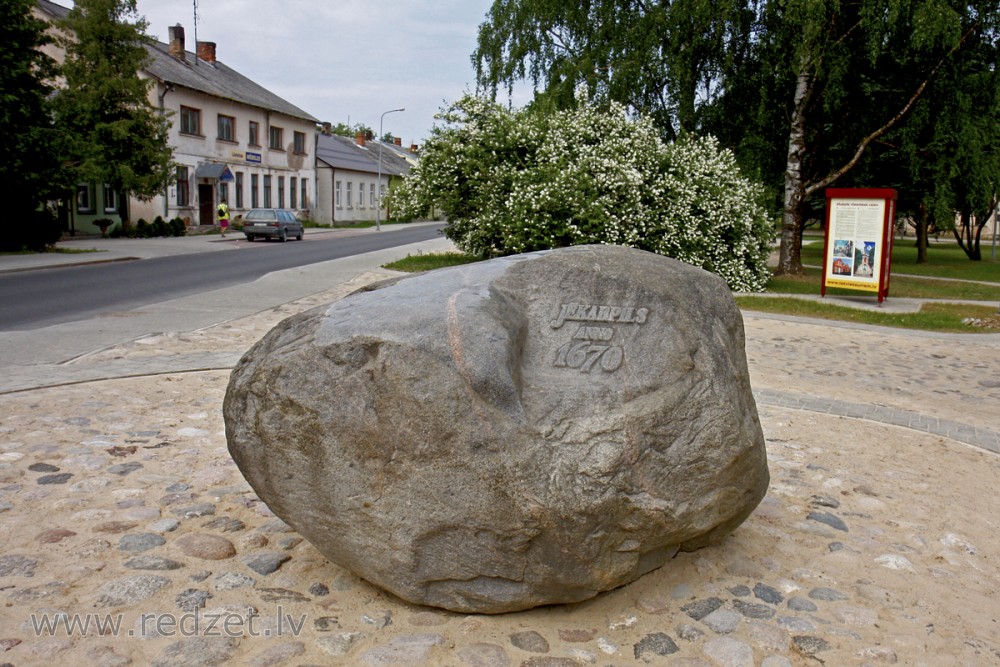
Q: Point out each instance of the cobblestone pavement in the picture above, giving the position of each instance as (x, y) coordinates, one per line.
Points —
(120, 506)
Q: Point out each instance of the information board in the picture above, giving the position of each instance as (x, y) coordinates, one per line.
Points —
(858, 250)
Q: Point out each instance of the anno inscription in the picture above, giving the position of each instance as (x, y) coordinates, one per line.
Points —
(592, 345)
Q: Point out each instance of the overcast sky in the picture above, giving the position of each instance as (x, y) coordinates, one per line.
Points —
(343, 61)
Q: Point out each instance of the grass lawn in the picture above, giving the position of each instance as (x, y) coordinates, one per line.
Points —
(433, 260)
(944, 260)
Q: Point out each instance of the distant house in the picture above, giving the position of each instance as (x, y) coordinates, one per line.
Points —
(231, 138)
(348, 185)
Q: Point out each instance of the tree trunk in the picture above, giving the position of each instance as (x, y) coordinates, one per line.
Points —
(921, 229)
(793, 216)
(968, 240)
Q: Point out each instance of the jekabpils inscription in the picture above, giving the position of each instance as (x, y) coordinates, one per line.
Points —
(592, 347)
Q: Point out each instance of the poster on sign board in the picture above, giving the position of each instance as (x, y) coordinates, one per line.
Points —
(858, 240)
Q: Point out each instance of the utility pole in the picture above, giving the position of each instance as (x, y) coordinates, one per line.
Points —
(378, 208)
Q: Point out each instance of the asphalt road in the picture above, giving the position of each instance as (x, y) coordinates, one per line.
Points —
(36, 299)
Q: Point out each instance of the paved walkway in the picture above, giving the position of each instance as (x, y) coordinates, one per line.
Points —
(118, 497)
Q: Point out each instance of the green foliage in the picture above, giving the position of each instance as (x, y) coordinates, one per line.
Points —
(35, 230)
(114, 133)
(517, 181)
(145, 230)
(31, 172)
(802, 91)
(344, 130)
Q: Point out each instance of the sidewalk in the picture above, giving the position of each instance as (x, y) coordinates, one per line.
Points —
(96, 250)
(118, 501)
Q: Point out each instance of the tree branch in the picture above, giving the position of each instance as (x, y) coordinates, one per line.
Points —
(810, 188)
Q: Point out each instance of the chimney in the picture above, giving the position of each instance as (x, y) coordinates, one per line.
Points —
(413, 148)
(398, 141)
(177, 41)
(360, 139)
(206, 51)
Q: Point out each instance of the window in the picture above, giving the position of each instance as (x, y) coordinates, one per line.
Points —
(227, 128)
(336, 197)
(110, 199)
(304, 199)
(300, 143)
(274, 138)
(292, 201)
(239, 189)
(190, 121)
(183, 189)
(349, 201)
(254, 198)
(84, 198)
(361, 195)
(267, 191)
(254, 133)
(281, 192)
(371, 196)
(223, 193)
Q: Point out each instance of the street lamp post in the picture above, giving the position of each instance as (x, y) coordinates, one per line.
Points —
(378, 208)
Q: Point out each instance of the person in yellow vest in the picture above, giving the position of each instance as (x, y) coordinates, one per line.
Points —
(223, 216)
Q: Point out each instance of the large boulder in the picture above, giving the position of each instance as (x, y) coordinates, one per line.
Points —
(524, 431)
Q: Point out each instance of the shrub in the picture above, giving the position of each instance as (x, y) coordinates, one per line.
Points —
(176, 227)
(142, 229)
(517, 181)
(31, 230)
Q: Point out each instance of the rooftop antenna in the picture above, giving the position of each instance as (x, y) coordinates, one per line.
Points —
(195, 31)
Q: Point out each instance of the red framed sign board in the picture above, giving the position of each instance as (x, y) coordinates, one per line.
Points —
(858, 243)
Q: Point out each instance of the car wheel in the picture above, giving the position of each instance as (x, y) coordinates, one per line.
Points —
(249, 237)
(283, 236)
(299, 236)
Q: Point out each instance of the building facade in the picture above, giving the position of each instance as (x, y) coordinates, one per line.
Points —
(231, 138)
(350, 184)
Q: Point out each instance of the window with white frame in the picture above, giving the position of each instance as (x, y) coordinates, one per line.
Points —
(361, 195)
(110, 199)
(84, 198)
(371, 196)
(350, 203)
(337, 201)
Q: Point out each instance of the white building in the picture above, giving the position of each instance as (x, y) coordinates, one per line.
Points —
(350, 185)
(232, 138)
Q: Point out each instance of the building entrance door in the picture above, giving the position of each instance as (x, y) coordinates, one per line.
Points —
(206, 204)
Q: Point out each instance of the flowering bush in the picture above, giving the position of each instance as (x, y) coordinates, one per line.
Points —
(516, 181)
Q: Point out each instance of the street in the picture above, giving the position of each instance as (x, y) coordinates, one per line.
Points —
(58, 295)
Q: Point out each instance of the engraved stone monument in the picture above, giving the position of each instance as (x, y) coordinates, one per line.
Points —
(524, 431)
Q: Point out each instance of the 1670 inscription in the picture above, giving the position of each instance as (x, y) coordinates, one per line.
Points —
(592, 346)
